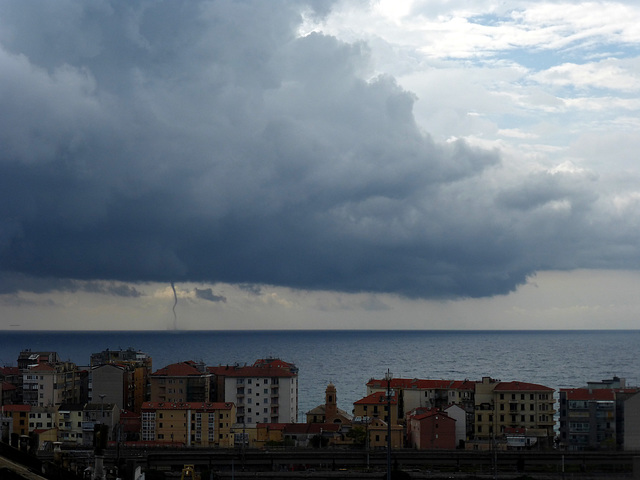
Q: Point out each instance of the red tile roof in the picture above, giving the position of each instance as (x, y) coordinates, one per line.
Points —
(273, 362)
(422, 416)
(16, 408)
(181, 369)
(463, 385)
(586, 394)
(521, 386)
(423, 384)
(9, 370)
(272, 426)
(378, 398)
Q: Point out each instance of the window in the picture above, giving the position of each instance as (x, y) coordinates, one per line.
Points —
(479, 428)
(502, 396)
(479, 417)
(522, 396)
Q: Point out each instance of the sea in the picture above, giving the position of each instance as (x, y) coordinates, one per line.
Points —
(349, 359)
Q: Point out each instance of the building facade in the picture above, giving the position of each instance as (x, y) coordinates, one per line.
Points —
(51, 384)
(205, 424)
(181, 382)
(137, 368)
(502, 405)
(431, 430)
(265, 392)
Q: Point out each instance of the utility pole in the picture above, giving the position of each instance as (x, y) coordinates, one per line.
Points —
(388, 378)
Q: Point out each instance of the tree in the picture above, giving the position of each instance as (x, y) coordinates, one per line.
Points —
(358, 434)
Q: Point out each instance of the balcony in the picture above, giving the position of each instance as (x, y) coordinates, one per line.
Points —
(88, 426)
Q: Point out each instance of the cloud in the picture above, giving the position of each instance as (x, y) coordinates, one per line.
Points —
(209, 142)
(251, 288)
(207, 294)
(12, 283)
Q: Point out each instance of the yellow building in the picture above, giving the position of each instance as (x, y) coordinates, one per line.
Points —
(19, 415)
(189, 423)
(376, 405)
(508, 405)
(378, 431)
(267, 433)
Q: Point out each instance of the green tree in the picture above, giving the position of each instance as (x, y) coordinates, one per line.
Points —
(359, 435)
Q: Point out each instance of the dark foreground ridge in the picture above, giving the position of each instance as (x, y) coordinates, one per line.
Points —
(329, 464)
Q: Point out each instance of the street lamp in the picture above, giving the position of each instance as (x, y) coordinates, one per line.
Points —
(388, 376)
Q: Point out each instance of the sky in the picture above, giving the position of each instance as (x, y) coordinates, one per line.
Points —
(292, 164)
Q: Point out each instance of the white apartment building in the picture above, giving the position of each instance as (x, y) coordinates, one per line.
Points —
(46, 384)
(265, 392)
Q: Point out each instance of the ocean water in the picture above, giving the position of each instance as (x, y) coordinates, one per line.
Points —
(349, 359)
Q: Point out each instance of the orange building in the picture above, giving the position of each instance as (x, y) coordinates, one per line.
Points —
(188, 423)
(19, 415)
(181, 382)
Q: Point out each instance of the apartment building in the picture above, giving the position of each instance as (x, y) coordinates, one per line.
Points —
(203, 424)
(69, 421)
(181, 382)
(423, 393)
(43, 418)
(135, 369)
(376, 405)
(265, 392)
(15, 419)
(594, 418)
(11, 381)
(631, 435)
(502, 405)
(51, 384)
(99, 413)
(28, 358)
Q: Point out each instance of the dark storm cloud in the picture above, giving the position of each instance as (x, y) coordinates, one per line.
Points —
(207, 294)
(18, 282)
(251, 288)
(206, 141)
